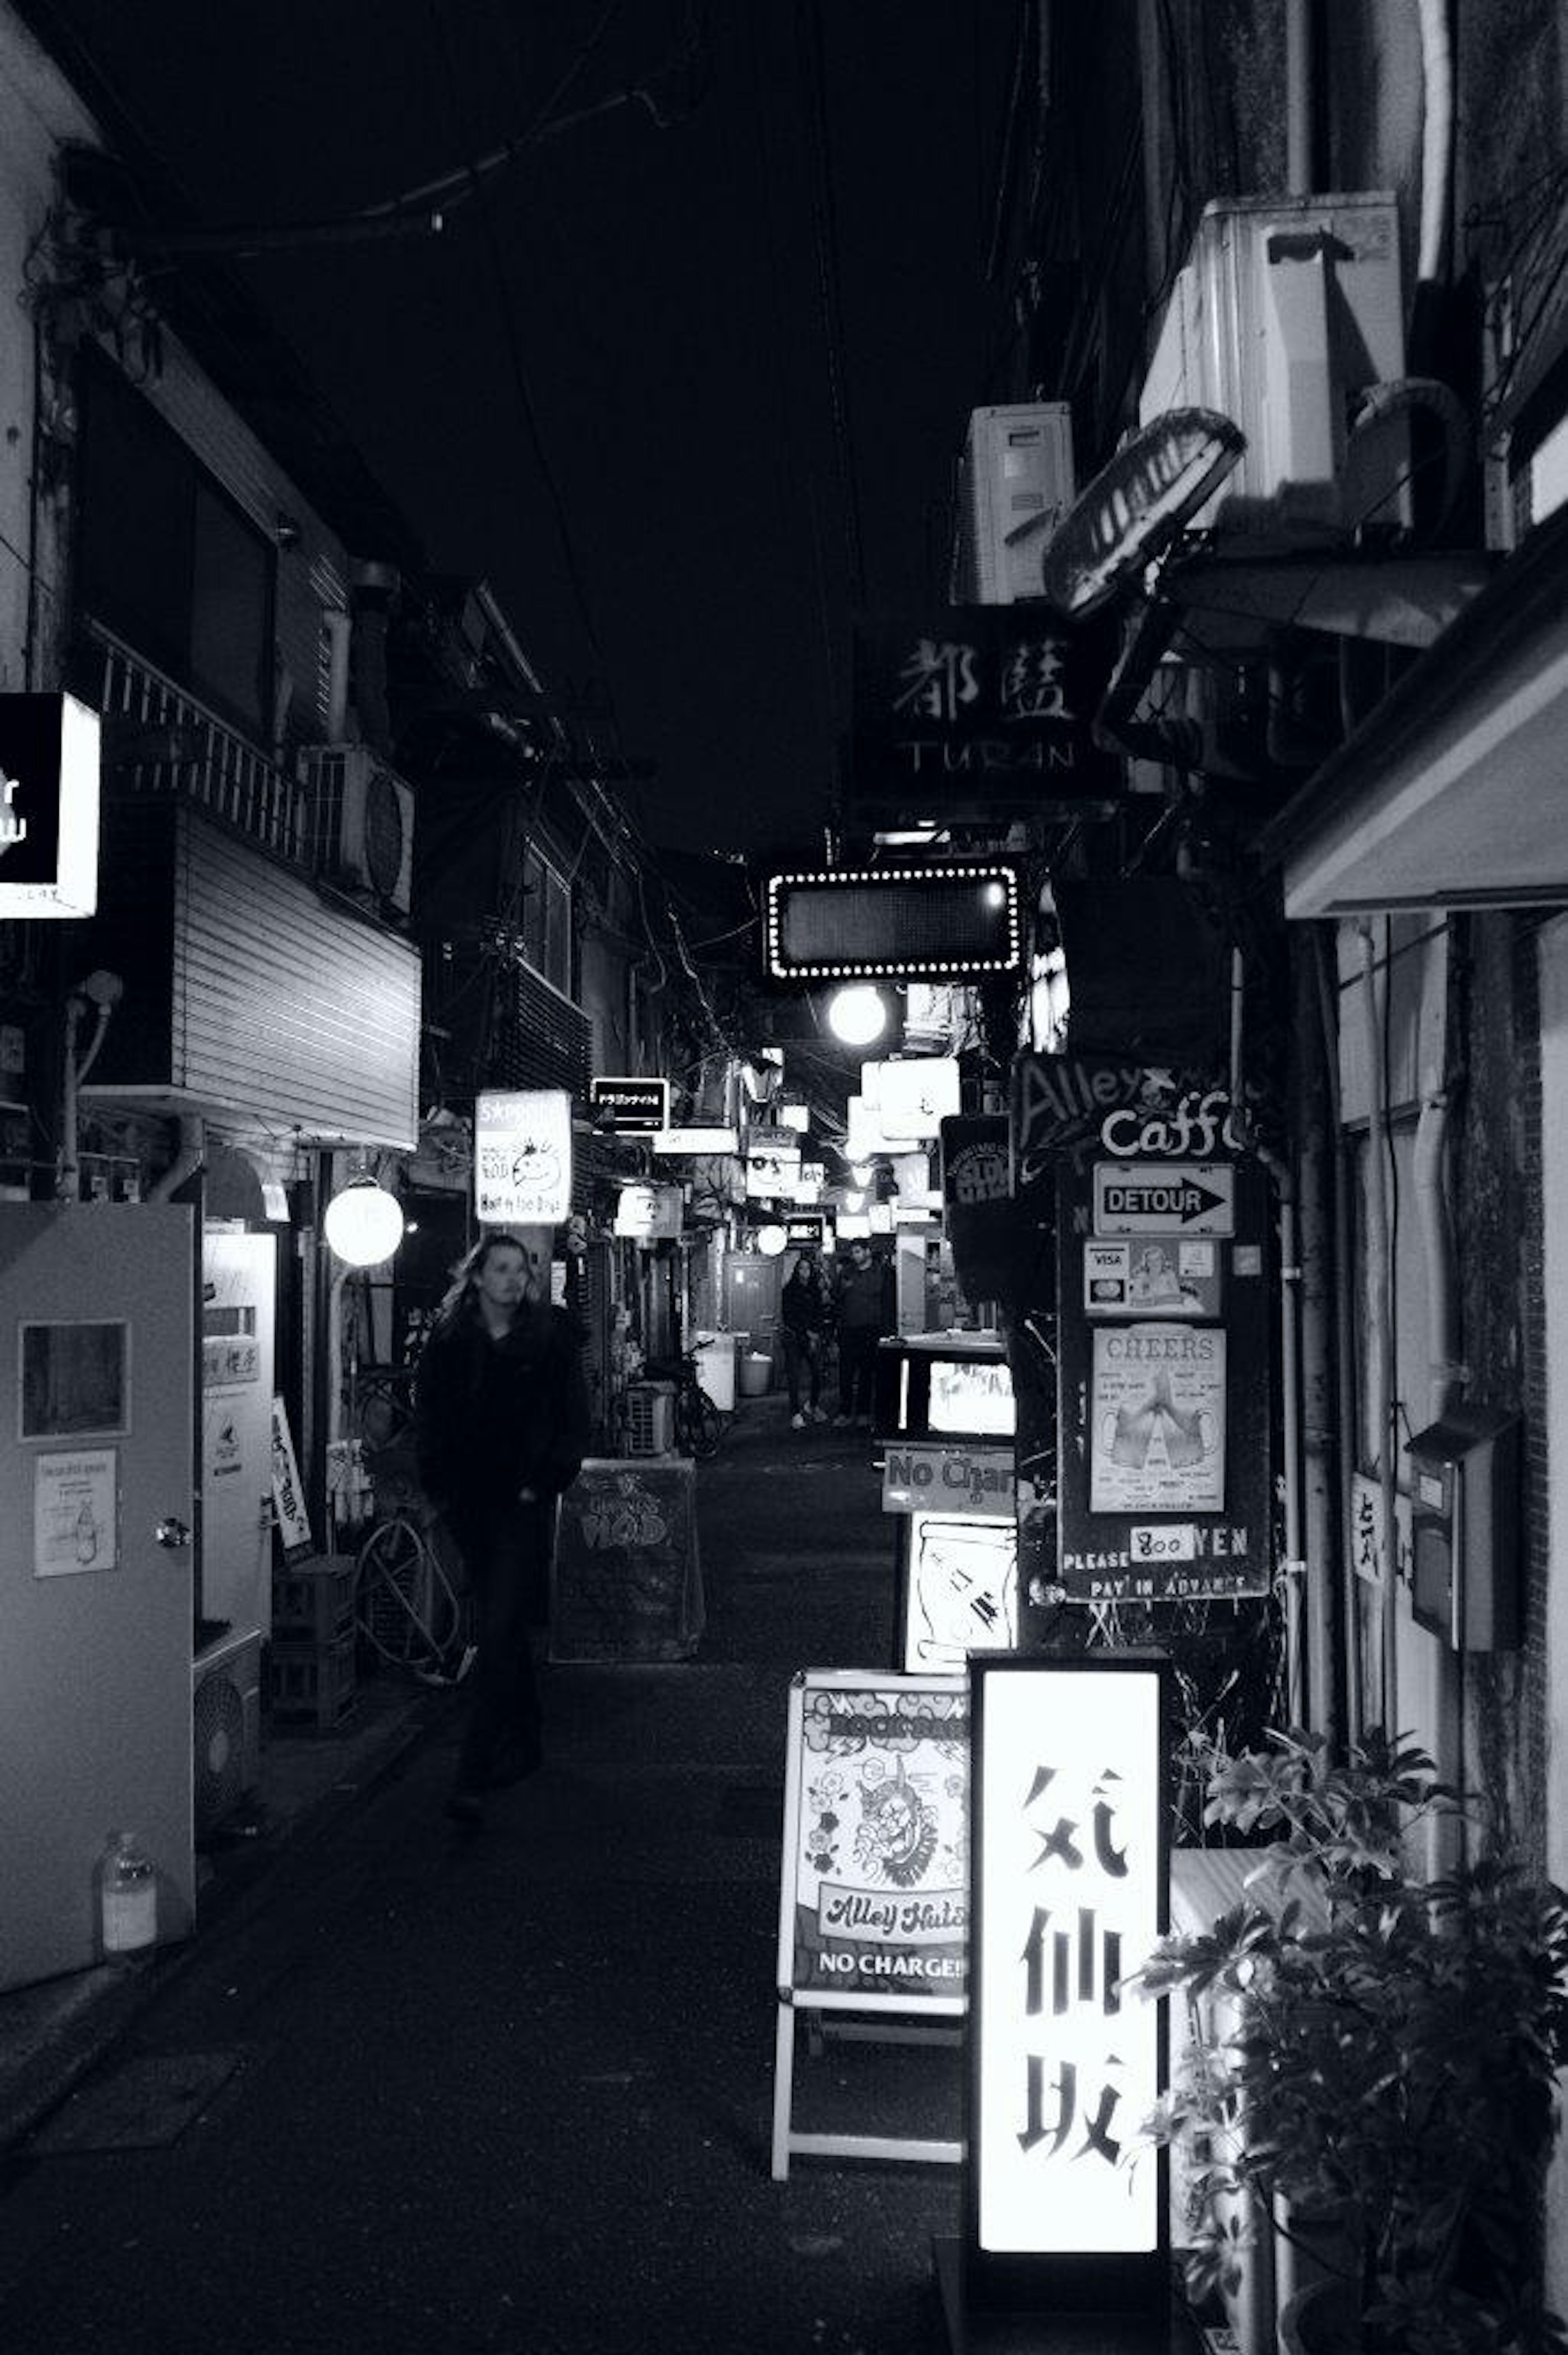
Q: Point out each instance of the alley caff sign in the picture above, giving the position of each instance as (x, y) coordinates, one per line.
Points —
(48, 807)
(975, 710)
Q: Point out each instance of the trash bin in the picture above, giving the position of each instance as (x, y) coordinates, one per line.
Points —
(715, 1353)
(756, 1375)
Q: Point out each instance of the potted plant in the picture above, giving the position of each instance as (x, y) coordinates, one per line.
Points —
(1373, 2047)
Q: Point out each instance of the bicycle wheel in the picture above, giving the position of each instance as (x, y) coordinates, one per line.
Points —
(404, 1605)
(705, 1424)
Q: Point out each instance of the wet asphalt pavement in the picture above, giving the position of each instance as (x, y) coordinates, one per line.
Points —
(513, 2091)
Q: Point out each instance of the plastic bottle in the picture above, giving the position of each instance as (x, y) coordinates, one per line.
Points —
(127, 1896)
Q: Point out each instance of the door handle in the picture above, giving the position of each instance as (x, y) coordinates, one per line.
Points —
(173, 1533)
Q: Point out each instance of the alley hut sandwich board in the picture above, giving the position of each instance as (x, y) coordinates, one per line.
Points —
(874, 1900)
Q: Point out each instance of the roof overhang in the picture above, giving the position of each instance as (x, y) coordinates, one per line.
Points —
(1454, 793)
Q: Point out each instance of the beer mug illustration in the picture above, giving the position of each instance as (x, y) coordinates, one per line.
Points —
(1189, 1435)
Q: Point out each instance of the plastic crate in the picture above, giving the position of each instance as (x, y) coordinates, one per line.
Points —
(312, 1600)
(315, 1681)
(649, 1418)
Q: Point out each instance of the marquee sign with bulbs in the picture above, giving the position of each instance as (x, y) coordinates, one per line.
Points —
(922, 923)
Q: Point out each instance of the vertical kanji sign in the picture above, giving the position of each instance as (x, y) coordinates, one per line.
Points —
(1070, 1874)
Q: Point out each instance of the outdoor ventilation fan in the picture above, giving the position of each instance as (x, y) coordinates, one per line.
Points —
(227, 1714)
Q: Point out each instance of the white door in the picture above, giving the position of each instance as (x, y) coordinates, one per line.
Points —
(97, 1480)
(239, 1275)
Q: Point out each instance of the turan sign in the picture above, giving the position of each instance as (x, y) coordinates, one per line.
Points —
(974, 711)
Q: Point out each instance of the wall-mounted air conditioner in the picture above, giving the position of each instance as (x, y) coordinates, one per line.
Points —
(1016, 484)
(1286, 313)
(363, 824)
(226, 1683)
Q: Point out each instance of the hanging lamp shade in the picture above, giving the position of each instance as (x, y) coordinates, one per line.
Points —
(364, 1223)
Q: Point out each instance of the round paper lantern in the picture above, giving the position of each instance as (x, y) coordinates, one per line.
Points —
(857, 1014)
(364, 1223)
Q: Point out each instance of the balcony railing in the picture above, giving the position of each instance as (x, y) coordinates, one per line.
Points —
(157, 738)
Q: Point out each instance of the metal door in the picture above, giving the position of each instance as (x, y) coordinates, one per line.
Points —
(238, 1274)
(97, 1477)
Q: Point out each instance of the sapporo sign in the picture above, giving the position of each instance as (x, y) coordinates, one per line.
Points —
(978, 711)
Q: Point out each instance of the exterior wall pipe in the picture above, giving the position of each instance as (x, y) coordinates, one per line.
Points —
(1379, 1288)
(1323, 1552)
(1299, 173)
(1437, 136)
(1292, 1568)
(1444, 1372)
(1344, 1394)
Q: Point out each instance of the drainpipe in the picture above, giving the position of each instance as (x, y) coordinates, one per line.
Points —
(187, 1161)
(1292, 1568)
(1317, 1126)
(1299, 95)
(1436, 137)
(1379, 1288)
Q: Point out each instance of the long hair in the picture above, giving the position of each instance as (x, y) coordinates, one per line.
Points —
(457, 1301)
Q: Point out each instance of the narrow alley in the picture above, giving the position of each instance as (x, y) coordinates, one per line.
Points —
(512, 2091)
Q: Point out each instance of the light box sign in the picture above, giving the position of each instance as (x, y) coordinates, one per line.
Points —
(696, 1141)
(1062, 2204)
(913, 1097)
(49, 767)
(629, 1107)
(960, 1590)
(523, 1157)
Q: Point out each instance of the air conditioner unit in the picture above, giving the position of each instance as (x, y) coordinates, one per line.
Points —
(227, 1711)
(1016, 485)
(363, 821)
(1284, 312)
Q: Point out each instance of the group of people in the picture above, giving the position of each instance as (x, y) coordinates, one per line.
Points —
(857, 1309)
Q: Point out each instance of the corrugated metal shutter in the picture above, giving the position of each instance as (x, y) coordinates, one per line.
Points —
(285, 1005)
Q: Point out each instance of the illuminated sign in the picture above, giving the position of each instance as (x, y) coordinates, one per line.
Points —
(649, 1214)
(960, 1590)
(629, 1106)
(1070, 1874)
(894, 922)
(48, 807)
(695, 1140)
(969, 1395)
(911, 1098)
(523, 1158)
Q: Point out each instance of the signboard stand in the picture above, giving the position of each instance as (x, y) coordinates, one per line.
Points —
(873, 1914)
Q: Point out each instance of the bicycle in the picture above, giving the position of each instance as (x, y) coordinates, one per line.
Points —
(407, 1605)
(699, 1426)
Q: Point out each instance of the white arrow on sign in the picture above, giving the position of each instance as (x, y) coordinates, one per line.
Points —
(1164, 1198)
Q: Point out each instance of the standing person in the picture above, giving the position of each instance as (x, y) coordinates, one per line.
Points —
(502, 1423)
(803, 1315)
(863, 1312)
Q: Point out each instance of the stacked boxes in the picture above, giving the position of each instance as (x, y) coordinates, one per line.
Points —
(311, 1670)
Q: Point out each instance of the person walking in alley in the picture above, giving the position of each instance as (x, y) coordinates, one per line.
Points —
(804, 1314)
(862, 1313)
(501, 1424)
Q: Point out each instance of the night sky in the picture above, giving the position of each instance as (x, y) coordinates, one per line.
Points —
(612, 387)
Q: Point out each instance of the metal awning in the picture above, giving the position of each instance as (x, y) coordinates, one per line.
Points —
(1454, 793)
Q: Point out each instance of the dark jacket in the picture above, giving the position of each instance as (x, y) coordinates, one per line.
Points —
(803, 1304)
(863, 1302)
(491, 1417)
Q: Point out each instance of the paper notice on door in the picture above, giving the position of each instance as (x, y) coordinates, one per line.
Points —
(74, 1513)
